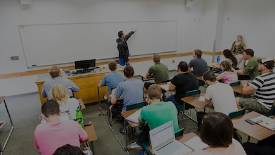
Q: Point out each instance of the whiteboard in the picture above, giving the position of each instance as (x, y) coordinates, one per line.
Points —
(65, 43)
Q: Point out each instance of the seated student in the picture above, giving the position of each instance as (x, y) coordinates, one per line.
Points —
(113, 78)
(230, 58)
(59, 94)
(228, 75)
(68, 150)
(181, 83)
(131, 91)
(55, 133)
(251, 68)
(57, 78)
(264, 85)
(198, 64)
(217, 132)
(155, 114)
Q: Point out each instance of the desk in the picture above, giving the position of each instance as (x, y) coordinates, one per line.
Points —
(181, 139)
(101, 91)
(142, 75)
(256, 131)
(2, 99)
(194, 101)
(91, 135)
(86, 82)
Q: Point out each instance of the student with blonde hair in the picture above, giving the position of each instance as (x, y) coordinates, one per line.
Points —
(59, 94)
(228, 75)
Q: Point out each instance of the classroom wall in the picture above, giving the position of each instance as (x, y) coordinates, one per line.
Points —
(255, 20)
(12, 14)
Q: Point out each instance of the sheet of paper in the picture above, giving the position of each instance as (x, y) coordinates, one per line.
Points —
(202, 99)
(196, 144)
(134, 117)
(165, 87)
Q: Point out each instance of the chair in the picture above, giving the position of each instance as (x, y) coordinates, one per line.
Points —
(146, 144)
(135, 106)
(271, 111)
(235, 83)
(235, 114)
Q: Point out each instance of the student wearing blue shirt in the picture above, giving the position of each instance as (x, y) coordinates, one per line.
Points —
(57, 78)
(113, 78)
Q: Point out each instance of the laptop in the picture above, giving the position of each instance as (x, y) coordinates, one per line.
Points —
(164, 143)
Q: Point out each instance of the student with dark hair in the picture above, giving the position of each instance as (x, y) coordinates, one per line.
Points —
(198, 64)
(251, 68)
(131, 90)
(122, 47)
(155, 114)
(181, 83)
(113, 78)
(217, 132)
(230, 57)
(56, 76)
(68, 150)
(55, 133)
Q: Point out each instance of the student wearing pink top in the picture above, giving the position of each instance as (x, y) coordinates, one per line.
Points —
(217, 131)
(228, 75)
(55, 133)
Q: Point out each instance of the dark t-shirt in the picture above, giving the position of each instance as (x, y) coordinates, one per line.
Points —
(184, 82)
(199, 66)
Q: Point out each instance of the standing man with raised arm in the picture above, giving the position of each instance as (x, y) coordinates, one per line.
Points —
(122, 47)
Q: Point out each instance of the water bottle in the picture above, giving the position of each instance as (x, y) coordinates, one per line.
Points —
(218, 59)
(79, 117)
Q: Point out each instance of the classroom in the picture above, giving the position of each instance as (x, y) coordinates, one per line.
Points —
(129, 71)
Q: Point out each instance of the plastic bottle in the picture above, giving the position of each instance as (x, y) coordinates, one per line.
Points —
(218, 59)
(79, 117)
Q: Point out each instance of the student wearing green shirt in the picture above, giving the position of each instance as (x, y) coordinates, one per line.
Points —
(155, 114)
(251, 69)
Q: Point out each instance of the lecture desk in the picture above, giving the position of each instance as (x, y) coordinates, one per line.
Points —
(255, 131)
(87, 83)
(2, 99)
(143, 78)
(91, 135)
(182, 139)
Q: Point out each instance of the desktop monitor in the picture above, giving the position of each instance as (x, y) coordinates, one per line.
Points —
(85, 64)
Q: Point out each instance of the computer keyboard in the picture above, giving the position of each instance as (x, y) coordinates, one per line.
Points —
(169, 149)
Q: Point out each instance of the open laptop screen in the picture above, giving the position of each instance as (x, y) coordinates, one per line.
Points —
(162, 135)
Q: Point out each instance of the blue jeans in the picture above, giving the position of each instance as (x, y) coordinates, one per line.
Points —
(172, 99)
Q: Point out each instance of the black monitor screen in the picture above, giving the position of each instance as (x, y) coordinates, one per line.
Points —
(85, 64)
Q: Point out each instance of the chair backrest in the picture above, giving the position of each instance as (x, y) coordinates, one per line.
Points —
(165, 81)
(179, 133)
(135, 106)
(271, 111)
(237, 113)
(235, 83)
(192, 93)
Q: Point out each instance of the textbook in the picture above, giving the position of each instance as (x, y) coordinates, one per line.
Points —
(196, 144)
(265, 122)
(134, 117)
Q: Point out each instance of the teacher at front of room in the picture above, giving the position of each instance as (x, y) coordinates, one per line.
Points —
(123, 47)
(238, 48)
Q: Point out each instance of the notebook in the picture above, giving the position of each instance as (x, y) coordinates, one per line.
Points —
(134, 117)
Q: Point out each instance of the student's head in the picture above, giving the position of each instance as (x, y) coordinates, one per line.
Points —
(266, 65)
(216, 130)
(121, 34)
(154, 92)
(59, 93)
(183, 66)
(197, 53)
(54, 72)
(68, 150)
(239, 38)
(228, 54)
(156, 58)
(226, 66)
(112, 65)
(129, 72)
(248, 54)
(209, 77)
(50, 108)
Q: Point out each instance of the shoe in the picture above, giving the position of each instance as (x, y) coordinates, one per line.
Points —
(1, 124)
(134, 146)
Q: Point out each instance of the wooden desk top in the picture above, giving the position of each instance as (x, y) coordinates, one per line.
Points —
(164, 88)
(199, 78)
(143, 75)
(2, 98)
(82, 104)
(237, 89)
(107, 94)
(125, 114)
(91, 133)
(256, 131)
(181, 139)
(194, 101)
